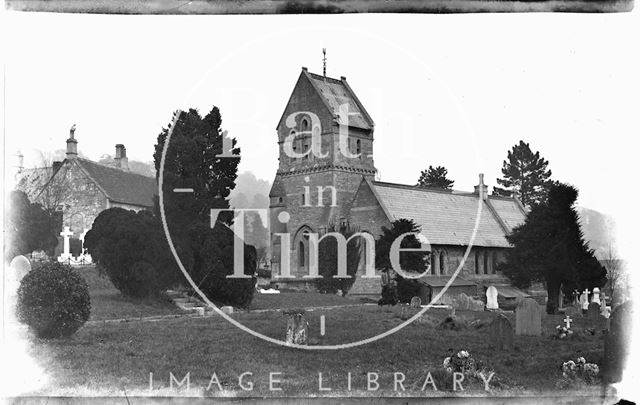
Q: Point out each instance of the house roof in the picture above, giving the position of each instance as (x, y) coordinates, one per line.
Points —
(449, 218)
(121, 186)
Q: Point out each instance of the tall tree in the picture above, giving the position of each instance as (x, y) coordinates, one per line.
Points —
(549, 247)
(196, 159)
(435, 177)
(525, 175)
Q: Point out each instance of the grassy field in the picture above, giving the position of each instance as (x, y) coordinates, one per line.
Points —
(114, 358)
(108, 303)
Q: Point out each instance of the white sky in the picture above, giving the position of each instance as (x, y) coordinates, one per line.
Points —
(452, 90)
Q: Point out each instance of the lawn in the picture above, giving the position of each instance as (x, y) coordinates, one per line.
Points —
(109, 358)
(114, 358)
(107, 302)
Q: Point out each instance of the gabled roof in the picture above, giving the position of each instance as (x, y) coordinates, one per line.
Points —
(448, 218)
(120, 186)
(333, 93)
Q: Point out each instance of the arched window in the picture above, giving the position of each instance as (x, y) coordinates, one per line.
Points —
(433, 264)
(304, 199)
(486, 263)
(301, 254)
(477, 262)
(495, 262)
(358, 147)
(443, 265)
(304, 125)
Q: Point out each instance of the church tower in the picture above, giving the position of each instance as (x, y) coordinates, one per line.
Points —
(325, 139)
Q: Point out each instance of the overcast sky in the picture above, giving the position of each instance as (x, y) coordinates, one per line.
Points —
(451, 90)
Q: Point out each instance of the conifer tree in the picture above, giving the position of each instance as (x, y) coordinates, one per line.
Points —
(550, 247)
(435, 177)
(525, 175)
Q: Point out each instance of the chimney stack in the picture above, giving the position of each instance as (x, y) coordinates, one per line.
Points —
(122, 162)
(481, 188)
(72, 144)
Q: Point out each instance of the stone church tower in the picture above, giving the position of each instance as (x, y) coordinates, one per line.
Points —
(316, 182)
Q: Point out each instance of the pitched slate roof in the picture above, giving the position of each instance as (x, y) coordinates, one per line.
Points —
(121, 186)
(448, 218)
(334, 93)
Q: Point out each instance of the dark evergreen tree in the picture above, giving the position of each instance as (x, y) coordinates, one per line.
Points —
(196, 158)
(549, 247)
(435, 177)
(525, 175)
(410, 262)
(28, 227)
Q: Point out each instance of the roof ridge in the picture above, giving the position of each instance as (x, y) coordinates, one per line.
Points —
(114, 168)
(424, 189)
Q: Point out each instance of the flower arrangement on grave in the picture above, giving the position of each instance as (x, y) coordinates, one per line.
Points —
(562, 332)
(461, 362)
(580, 370)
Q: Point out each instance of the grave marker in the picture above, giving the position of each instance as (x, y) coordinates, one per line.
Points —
(297, 328)
(593, 311)
(492, 297)
(19, 266)
(528, 318)
(416, 302)
(501, 333)
(596, 296)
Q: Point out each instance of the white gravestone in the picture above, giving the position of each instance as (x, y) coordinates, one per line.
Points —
(492, 297)
(584, 300)
(596, 296)
(66, 253)
(19, 266)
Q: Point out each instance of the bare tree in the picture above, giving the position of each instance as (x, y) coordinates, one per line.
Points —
(41, 186)
(616, 274)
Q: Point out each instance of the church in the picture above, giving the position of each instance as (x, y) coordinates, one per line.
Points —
(344, 176)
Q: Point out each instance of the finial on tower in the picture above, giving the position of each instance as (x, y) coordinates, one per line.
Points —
(72, 131)
(324, 62)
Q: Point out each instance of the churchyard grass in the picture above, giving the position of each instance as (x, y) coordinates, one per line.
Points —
(290, 300)
(108, 303)
(109, 358)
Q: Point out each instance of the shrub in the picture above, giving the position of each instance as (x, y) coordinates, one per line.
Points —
(53, 300)
(210, 257)
(131, 248)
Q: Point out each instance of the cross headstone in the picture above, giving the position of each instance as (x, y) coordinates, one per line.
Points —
(596, 296)
(501, 333)
(528, 318)
(593, 311)
(416, 302)
(492, 297)
(567, 321)
(584, 300)
(617, 342)
(297, 329)
(66, 253)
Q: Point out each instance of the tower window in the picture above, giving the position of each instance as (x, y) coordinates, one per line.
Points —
(358, 147)
(304, 125)
(304, 200)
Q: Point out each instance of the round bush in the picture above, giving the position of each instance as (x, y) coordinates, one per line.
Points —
(53, 300)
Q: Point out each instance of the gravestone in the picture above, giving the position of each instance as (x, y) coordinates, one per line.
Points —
(617, 342)
(501, 333)
(528, 318)
(596, 296)
(19, 266)
(227, 310)
(416, 302)
(584, 300)
(462, 301)
(297, 329)
(593, 312)
(492, 297)
(404, 312)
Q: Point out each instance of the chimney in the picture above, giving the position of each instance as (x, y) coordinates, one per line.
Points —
(56, 166)
(481, 188)
(122, 162)
(72, 144)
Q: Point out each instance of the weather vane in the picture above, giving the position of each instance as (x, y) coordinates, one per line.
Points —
(324, 62)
